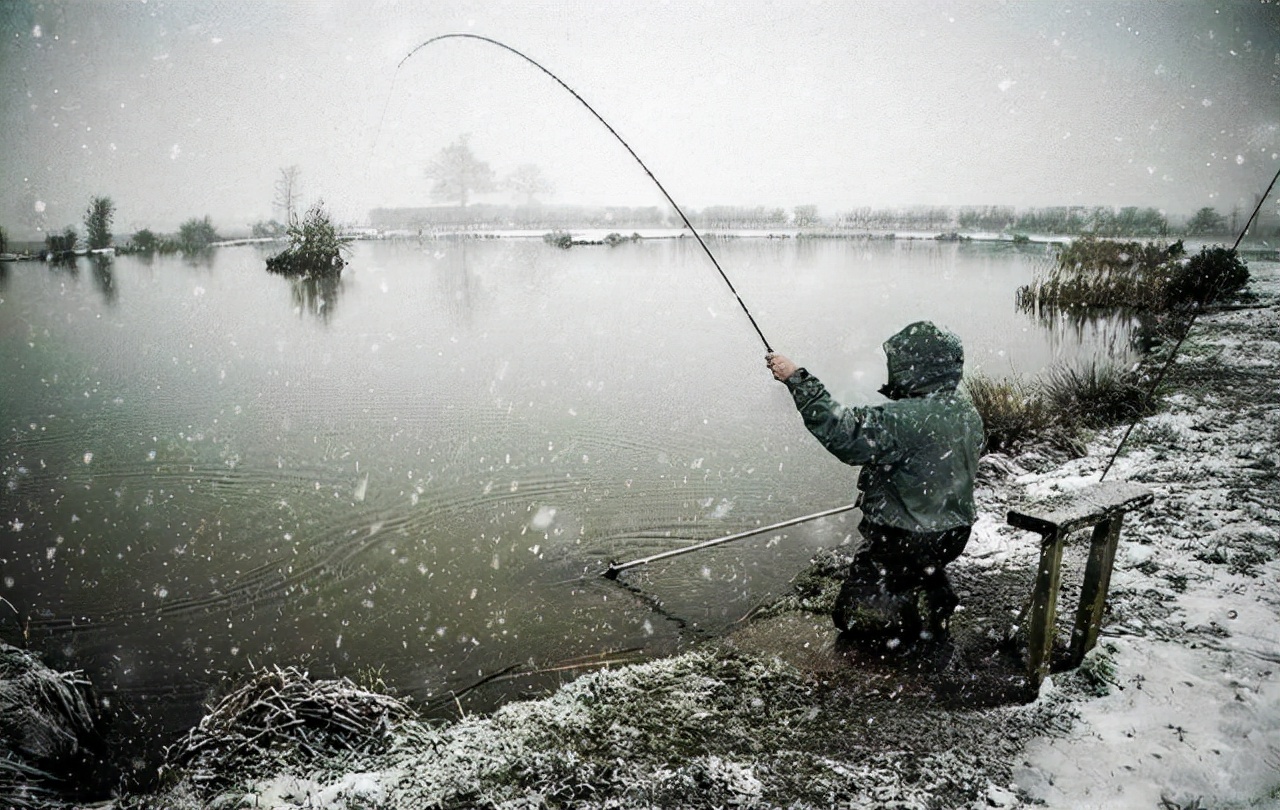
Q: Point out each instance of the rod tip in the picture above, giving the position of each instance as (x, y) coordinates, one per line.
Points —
(611, 572)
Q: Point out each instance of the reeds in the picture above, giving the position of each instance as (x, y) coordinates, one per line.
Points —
(281, 716)
(1059, 408)
(1154, 276)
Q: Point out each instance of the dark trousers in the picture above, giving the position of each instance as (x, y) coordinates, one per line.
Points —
(897, 585)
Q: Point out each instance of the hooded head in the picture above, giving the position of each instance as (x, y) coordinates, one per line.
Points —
(923, 359)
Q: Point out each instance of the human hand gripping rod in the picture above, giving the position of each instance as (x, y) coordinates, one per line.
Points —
(616, 568)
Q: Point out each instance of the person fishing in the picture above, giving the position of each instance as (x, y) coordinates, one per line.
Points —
(919, 455)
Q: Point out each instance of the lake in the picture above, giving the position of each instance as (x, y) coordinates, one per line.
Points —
(422, 470)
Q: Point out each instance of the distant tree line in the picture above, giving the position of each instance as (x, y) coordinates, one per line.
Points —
(193, 236)
(483, 216)
(1103, 221)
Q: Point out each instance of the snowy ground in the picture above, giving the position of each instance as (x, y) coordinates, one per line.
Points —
(1193, 718)
(1178, 706)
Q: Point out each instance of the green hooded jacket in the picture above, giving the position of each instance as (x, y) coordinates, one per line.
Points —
(919, 453)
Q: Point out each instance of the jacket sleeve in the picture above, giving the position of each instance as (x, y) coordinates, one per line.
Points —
(855, 435)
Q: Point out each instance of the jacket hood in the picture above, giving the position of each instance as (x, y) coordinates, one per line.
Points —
(923, 360)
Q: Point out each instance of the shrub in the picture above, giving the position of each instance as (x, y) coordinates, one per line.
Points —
(561, 239)
(196, 235)
(615, 239)
(1214, 273)
(62, 245)
(315, 249)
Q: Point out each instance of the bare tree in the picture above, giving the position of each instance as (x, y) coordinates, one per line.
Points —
(458, 173)
(527, 181)
(288, 194)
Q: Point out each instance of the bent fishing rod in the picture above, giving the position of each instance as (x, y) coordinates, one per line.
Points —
(612, 132)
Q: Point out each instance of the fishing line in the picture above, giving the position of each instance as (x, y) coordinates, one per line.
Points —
(1194, 314)
(612, 131)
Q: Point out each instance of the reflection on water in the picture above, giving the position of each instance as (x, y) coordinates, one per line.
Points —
(103, 278)
(316, 296)
(430, 477)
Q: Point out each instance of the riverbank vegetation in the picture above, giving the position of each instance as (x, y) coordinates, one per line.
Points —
(193, 236)
(315, 248)
(61, 246)
(1060, 409)
(97, 222)
(1154, 276)
(47, 728)
(1100, 222)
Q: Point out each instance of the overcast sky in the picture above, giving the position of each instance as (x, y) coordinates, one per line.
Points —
(182, 108)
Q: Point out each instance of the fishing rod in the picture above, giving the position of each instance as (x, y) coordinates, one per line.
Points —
(1190, 323)
(615, 134)
(616, 568)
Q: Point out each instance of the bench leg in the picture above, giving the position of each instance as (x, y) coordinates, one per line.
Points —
(1044, 608)
(1093, 595)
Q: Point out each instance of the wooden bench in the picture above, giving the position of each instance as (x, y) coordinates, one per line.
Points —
(1102, 506)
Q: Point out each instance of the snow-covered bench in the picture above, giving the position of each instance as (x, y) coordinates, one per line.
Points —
(1102, 506)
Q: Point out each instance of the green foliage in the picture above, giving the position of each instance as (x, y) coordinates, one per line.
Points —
(61, 244)
(145, 241)
(615, 239)
(315, 248)
(97, 222)
(1214, 273)
(561, 239)
(196, 234)
(271, 229)
(1206, 222)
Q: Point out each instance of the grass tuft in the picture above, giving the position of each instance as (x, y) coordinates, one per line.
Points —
(1096, 395)
(1012, 412)
(1058, 408)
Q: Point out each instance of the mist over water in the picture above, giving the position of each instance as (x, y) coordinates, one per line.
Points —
(423, 468)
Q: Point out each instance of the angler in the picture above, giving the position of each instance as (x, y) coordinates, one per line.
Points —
(919, 455)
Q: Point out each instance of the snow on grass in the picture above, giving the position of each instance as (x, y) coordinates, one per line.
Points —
(1192, 715)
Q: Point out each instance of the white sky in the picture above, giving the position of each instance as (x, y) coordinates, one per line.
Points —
(190, 108)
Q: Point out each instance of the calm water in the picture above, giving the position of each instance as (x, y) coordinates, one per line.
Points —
(425, 467)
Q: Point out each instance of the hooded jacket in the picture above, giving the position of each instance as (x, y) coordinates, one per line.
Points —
(919, 452)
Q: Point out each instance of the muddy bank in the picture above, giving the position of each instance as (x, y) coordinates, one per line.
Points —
(1179, 704)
